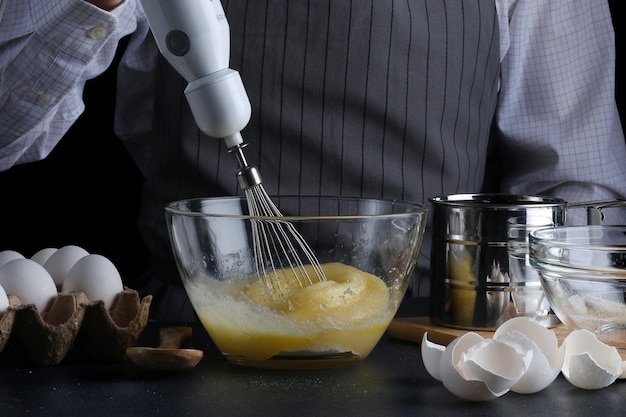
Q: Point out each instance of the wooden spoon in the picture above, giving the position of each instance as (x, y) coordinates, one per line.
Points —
(169, 355)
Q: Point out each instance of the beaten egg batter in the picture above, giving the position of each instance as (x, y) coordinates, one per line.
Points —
(347, 313)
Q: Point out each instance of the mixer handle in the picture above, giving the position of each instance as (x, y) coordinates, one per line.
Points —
(194, 37)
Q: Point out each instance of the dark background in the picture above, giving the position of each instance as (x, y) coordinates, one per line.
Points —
(617, 11)
(87, 191)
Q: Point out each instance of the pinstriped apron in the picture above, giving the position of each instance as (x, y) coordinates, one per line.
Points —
(387, 98)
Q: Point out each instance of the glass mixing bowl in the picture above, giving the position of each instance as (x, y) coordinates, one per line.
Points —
(583, 274)
(367, 248)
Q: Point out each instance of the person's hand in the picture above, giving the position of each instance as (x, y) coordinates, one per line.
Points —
(106, 4)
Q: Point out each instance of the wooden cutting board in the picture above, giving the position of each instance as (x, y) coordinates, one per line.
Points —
(412, 329)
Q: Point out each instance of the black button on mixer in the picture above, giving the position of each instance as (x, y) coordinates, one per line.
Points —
(177, 42)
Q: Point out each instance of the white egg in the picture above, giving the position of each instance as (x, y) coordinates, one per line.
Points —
(97, 277)
(9, 255)
(42, 256)
(4, 301)
(530, 336)
(62, 260)
(29, 281)
(588, 362)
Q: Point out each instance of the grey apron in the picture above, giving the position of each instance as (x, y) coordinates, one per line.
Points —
(387, 98)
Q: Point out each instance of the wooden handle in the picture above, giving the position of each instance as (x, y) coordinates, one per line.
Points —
(173, 337)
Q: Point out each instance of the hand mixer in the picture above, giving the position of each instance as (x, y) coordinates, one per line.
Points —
(194, 36)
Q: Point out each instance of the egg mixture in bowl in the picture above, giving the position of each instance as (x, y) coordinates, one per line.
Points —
(266, 317)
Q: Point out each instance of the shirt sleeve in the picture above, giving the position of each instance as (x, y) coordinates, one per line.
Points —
(558, 126)
(47, 52)
(135, 92)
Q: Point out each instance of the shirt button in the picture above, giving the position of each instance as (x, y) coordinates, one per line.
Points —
(97, 33)
(44, 98)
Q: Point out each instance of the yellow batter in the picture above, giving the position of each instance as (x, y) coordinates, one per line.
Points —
(347, 313)
(462, 288)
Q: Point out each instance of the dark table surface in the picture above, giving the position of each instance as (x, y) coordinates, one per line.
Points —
(392, 381)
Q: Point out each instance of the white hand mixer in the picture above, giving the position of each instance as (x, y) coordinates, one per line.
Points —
(194, 36)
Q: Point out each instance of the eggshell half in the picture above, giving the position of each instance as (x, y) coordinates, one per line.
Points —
(431, 356)
(545, 338)
(540, 372)
(499, 365)
(588, 362)
(452, 374)
(530, 336)
(97, 277)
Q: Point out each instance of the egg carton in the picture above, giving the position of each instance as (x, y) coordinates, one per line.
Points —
(72, 328)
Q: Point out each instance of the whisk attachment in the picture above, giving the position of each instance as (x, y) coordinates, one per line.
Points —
(194, 37)
(281, 253)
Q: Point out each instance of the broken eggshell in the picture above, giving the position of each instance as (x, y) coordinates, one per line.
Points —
(522, 357)
(478, 369)
(431, 356)
(546, 363)
(450, 370)
(499, 364)
(588, 362)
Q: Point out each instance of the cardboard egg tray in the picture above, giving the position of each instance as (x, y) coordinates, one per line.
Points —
(73, 327)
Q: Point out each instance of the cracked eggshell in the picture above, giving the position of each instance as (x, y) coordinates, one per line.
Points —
(588, 362)
(431, 356)
(97, 277)
(453, 374)
(500, 365)
(28, 281)
(531, 336)
(62, 260)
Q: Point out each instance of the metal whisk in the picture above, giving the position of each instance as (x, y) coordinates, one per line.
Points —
(278, 246)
